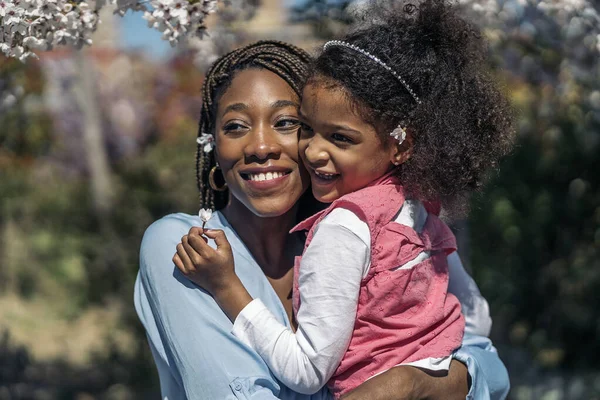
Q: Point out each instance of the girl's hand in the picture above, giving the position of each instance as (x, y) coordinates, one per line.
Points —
(211, 269)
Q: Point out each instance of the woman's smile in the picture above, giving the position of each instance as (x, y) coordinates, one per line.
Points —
(265, 177)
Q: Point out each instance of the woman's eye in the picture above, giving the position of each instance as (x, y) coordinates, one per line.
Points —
(341, 138)
(234, 127)
(287, 123)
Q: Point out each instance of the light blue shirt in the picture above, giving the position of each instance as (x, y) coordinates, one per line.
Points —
(190, 337)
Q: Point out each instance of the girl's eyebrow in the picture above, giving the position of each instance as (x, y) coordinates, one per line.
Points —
(300, 115)
(330, 125)
(344, 128)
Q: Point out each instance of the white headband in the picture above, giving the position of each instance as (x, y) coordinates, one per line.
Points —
(399, 133)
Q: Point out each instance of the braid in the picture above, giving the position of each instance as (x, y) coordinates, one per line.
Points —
(289, 62)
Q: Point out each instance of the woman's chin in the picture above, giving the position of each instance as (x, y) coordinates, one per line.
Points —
(272, 208)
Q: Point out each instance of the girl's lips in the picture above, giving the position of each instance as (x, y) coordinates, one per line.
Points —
(321, 179)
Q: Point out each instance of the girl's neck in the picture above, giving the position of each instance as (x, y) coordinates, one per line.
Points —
(267, 238)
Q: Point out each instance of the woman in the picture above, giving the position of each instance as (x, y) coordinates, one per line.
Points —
(250, 104)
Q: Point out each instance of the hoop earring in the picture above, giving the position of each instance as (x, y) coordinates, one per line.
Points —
(211, 180)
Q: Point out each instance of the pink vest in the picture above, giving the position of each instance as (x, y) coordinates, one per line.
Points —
(403, 315)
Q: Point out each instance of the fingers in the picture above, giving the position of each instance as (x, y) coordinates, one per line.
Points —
(194, 255)
(219, 237)
(178, 263)
(196, 230)
(185, 263)
(199, 244)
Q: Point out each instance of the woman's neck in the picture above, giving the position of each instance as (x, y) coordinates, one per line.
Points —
(267, 238)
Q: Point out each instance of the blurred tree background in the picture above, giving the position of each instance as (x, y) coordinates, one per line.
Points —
(84, 169)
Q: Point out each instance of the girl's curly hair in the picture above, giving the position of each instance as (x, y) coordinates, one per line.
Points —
(463, 125)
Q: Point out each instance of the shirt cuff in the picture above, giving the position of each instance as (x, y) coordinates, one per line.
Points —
(489, 378)
(244, 319)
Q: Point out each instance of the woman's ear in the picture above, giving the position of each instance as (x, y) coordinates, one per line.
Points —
(401, 152)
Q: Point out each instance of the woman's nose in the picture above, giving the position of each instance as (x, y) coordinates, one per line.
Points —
(263, 145)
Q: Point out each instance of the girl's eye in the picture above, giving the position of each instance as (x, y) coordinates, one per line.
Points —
(234, 127)
(305, 130)
(287, 123)
(338, 137)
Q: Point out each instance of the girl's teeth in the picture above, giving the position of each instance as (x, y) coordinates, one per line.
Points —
(324, 176)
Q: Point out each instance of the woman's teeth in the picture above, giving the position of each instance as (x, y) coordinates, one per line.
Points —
(265, 177)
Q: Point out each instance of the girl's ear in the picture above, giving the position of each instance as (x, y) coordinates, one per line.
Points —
(401, 152)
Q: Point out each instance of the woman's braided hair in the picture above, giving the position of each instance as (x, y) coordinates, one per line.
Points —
(287, 61)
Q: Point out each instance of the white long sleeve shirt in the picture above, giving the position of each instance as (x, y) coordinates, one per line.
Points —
(331, 272)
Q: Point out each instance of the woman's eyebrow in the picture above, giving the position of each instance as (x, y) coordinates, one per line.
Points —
(235, 107)
(284, 103)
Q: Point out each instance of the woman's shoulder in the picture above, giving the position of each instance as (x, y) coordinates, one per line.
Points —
(178, 224)
(161, 238)
(171, 225)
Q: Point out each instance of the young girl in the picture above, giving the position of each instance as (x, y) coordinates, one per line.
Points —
(398, 119)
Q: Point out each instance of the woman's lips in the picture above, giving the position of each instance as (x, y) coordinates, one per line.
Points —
(262, 180)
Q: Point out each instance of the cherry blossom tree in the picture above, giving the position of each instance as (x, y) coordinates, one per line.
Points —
(30, 25)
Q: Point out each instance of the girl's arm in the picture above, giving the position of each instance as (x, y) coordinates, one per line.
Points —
(330, 276)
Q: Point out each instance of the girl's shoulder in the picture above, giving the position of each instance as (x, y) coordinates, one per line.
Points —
(378, 201)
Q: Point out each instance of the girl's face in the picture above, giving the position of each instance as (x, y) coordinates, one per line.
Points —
(341, 151)
(256, 131)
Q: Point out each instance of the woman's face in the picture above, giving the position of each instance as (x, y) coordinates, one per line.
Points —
(256, 132)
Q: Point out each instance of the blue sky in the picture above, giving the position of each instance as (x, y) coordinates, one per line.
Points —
(137, 36)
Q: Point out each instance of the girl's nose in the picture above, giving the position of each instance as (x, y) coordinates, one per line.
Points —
(315, 153)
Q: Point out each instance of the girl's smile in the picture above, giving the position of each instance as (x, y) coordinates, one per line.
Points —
(341, 151)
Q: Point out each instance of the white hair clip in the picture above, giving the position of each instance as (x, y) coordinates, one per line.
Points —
(399, 133)
(207, 140)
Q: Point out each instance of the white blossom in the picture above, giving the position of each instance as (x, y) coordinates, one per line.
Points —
(5, 6)
(207, 140)
(35, 43)
(37, 25)
(205, 214)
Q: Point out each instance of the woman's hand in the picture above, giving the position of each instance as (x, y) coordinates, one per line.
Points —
(212, 269)
(409, 383)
